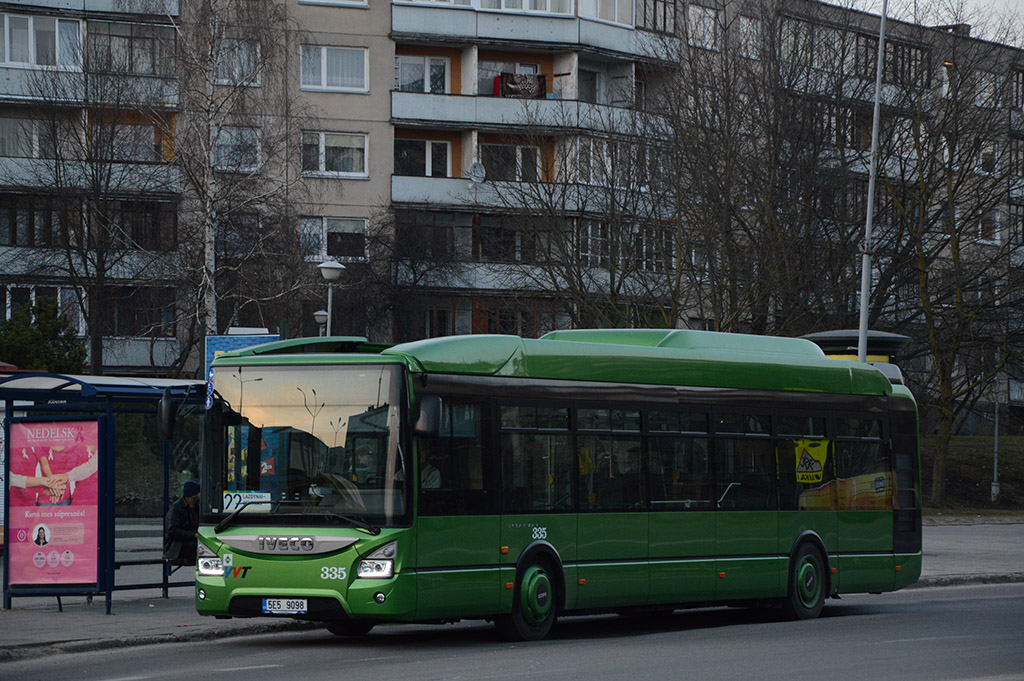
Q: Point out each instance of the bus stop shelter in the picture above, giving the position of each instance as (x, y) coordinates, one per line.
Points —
(59, 478)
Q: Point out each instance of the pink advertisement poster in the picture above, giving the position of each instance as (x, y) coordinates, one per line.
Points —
(54, 497)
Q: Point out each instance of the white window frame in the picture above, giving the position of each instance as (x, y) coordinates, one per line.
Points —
(32, 129)
(987, 93)
(323, 86)
(5, 39)
(427, 61)
(321, 226)
(591, 9)
(67, 301)
(749, 29)
(428, 165)
(996, 227)
(322, 155)
(525, 6)
(238, 169)
(336, 3)
(704, 27)
(228, 47)
(519, 148)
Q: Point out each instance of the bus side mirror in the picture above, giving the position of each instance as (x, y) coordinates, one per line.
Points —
(428, 421)
(166, 410)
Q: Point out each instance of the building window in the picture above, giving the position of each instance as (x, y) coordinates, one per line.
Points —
(510, 162)
(528, 6)
(143, 312)
(415, 73)
(797, 42)
(617, 11)
(237, 149)
(335, 69)
(343, 239)
(334, 153)
(14, 298)
(140, 225)
(750, 37)
(656, 15)
(130, 48)
(423, 158)
(40, 41)
(987, 158)
(1016, 157)
(1017, 93)
(127, 142)
(988, 227)
(986, 90)
(238, 62)
(702, 27)
(1015, 226)
(25, 138)
(33, 221)
(590, 86)
(489, 74)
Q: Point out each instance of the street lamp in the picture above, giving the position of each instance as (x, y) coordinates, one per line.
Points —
(321, 319)
(331, 272)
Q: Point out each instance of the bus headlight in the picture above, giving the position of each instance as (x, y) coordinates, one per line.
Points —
(380, 564)
(208, 563)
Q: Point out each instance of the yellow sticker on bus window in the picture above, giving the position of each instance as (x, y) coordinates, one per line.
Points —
(810, 460)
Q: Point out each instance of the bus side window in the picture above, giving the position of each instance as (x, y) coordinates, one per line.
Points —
(451, 468)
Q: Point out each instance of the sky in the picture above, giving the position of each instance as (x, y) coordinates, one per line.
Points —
(978, 13)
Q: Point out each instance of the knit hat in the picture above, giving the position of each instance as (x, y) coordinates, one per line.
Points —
(190, 489)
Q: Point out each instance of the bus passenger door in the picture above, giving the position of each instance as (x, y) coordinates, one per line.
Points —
(457, 528)
(747, 560)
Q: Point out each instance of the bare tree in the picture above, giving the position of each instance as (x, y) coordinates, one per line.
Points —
(237, 149)
(103, 222)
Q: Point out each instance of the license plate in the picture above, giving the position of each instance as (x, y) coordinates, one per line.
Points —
(284, 606)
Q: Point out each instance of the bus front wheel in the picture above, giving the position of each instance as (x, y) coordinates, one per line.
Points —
(349, 628)
(533, 604)
(806, 595)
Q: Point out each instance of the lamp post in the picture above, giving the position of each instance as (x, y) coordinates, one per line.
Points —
(321, 319)
(331, 272)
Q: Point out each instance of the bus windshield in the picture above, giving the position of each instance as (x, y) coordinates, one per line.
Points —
(320, 441)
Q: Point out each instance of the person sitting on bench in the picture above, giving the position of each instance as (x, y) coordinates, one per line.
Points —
(181, 533)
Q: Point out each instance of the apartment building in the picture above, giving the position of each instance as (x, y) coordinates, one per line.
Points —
(88, 197)
(446, 122)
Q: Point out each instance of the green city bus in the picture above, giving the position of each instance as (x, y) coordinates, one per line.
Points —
(517, 480)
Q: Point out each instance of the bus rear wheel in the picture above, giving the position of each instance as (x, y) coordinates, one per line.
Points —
(349, 628)
(533, 604)
(806, 595)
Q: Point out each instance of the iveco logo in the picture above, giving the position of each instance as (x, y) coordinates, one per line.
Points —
(285, 543)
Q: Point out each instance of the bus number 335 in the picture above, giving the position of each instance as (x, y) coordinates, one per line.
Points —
(332, 573)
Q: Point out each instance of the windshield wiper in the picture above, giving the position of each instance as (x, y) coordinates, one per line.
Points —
(355, 522)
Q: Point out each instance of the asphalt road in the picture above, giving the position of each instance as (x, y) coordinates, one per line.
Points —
(973, 633)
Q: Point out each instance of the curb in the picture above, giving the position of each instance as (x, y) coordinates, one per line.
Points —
(15, 653)
(964, 580)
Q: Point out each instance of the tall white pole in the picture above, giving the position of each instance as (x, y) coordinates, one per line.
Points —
(330, 305)
(865, 271)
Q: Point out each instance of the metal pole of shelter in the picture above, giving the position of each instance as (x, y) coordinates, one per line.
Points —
(865, 272)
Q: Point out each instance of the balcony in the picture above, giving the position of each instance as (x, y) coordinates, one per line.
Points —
(504, 113)
(111, 176)
(464, 23)
(70, 88)
(120, 7)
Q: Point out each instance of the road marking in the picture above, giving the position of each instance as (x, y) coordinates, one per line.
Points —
(928, 638)
(246, 669)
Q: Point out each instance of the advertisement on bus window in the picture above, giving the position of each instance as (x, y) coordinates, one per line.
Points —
(54, 498)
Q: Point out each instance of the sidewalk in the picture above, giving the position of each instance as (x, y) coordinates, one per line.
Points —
(959, 553)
